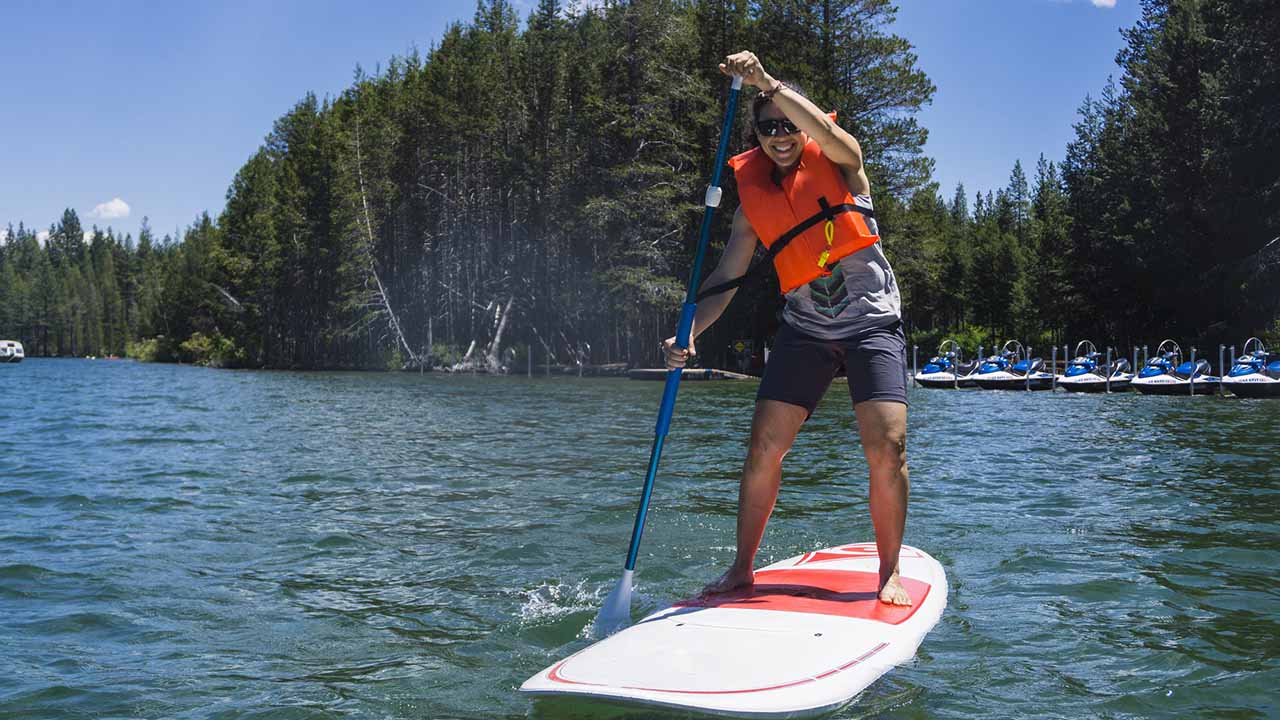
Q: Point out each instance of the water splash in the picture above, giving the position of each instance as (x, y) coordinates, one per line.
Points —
(553, 600)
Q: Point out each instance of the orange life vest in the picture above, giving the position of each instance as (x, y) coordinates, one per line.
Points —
(811, 214)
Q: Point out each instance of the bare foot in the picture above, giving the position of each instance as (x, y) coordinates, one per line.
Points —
(892, 592)
(732, 579)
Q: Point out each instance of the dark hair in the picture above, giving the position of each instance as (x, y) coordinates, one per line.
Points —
(757, 104)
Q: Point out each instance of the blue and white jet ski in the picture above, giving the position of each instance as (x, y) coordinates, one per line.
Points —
(1088, 372)
(1167, 374)
(947, 369)
(1011, 370)
(1252, 376)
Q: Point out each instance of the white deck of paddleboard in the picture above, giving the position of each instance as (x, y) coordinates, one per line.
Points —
(808, 638)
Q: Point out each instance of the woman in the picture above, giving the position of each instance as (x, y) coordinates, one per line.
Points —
(805, 195)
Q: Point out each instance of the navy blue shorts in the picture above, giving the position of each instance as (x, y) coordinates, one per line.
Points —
(801, 367)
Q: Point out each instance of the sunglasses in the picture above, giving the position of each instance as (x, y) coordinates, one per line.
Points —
(770, 128)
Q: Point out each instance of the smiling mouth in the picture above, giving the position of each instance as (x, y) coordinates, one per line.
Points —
(784, 148)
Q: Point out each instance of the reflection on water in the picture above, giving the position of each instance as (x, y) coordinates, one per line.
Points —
(182, 542)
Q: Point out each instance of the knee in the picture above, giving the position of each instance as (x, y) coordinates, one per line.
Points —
(887, 449)
(766, 450)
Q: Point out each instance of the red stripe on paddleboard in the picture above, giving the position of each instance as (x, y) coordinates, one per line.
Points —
(908, 552)
(555, 676)
(843, 593)
(818, 557)
(848, 552)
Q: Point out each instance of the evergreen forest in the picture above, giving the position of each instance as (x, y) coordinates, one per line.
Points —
(528, 192)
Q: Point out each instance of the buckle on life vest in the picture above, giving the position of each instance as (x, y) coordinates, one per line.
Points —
(829, 231)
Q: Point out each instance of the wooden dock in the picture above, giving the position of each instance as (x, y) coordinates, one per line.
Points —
(688, 374)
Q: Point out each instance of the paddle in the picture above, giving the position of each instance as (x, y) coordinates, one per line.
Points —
(616, 613)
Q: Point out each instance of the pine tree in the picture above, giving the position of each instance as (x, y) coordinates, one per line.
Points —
(67, 241)
(843, 53)
(1050, 256)
(1018, 196)
(8, 299)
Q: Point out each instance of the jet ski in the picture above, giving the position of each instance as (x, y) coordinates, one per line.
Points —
(1011, 370)
(1088, 372)
(947, 369)
(1167, 374)
(1252, 376)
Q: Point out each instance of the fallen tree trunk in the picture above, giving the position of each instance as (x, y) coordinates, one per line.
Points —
(495, 347)
(490, 358)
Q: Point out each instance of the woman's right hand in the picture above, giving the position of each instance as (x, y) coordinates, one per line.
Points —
(676, 356)
(747, 66)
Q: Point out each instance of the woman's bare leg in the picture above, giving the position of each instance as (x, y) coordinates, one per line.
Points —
(883, 427)
(773, 429)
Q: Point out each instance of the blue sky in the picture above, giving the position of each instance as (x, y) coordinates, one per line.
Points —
(128, 109)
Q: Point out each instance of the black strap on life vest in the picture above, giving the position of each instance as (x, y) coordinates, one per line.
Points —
(827, 212)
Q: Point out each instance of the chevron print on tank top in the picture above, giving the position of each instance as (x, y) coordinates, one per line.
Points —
(828, 294)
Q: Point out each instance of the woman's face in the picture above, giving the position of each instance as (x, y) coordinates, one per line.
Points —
(782, 147)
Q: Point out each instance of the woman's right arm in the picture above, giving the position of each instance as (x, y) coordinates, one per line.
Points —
(733, 264)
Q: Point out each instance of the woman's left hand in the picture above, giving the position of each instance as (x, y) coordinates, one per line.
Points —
(747, 65)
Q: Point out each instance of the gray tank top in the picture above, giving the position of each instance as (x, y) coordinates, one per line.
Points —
(860, 293)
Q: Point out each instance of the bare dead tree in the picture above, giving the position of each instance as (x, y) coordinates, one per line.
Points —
(392, 320)
(495, 347)
(491, 361)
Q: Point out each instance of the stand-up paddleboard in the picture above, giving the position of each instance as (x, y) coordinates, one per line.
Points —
(805, 640)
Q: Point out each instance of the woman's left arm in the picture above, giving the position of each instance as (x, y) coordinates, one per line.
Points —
(837, 144)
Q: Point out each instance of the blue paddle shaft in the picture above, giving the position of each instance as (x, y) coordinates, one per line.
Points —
(685, 327)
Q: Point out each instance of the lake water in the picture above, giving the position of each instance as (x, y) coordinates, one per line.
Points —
(180, 542)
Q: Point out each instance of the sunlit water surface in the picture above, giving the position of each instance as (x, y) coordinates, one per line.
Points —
(188, 543)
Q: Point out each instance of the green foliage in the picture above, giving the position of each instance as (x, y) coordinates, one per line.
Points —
(142, 350)
(211, 351)
(968, 337)
(154, 349)
(1271, 336)
(445, 355)
(395, 359)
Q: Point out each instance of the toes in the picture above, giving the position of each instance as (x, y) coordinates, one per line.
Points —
(726, 584)
(894, 594)
(720, 585)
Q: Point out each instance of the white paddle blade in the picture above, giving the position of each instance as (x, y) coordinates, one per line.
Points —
(616, 612)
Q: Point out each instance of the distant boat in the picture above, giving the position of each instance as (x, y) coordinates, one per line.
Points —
(1012, 370)
(1088, 372)
(11, 351)
(1252, 376)
(947, 369)
(1167, 374)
